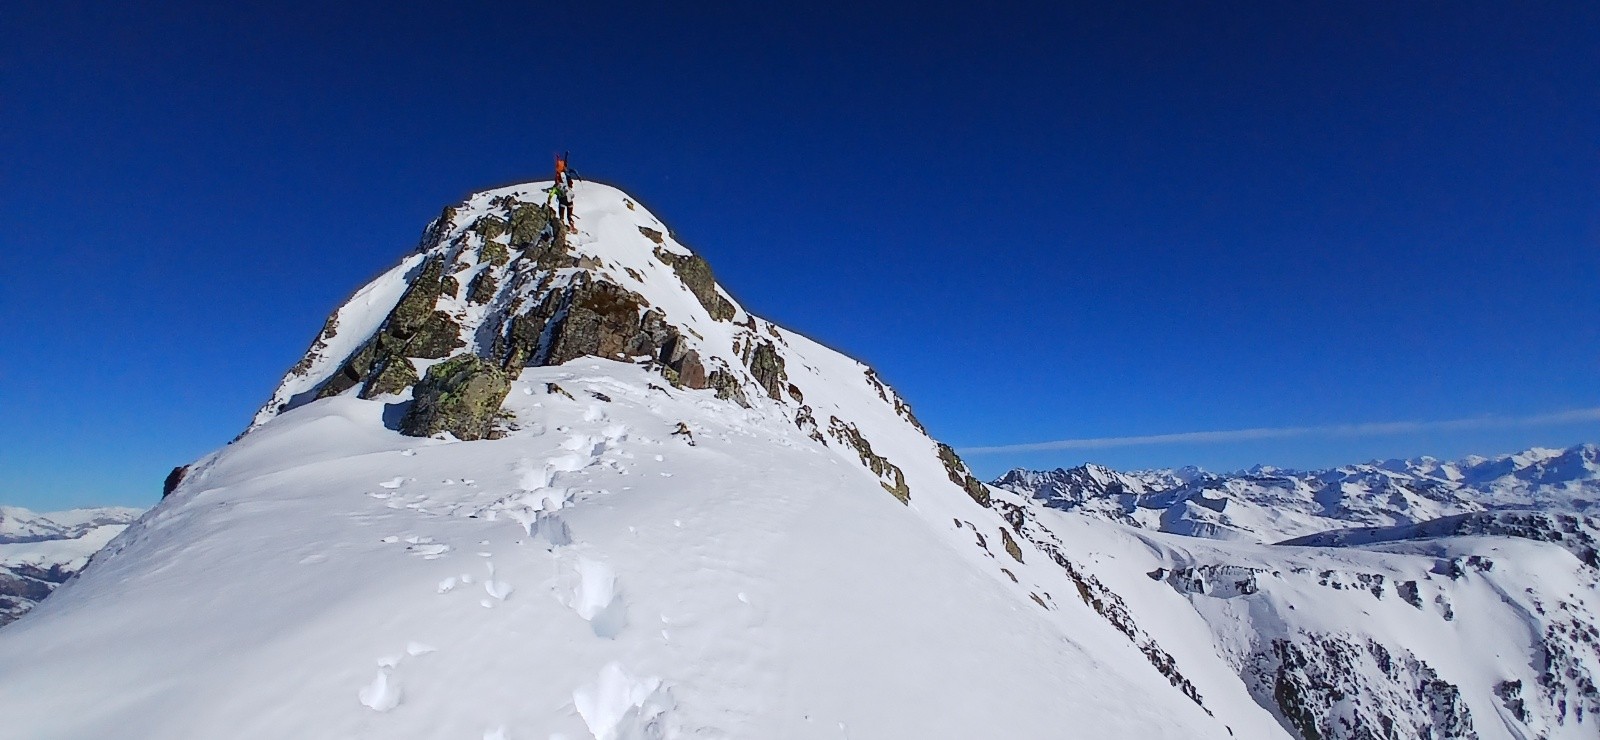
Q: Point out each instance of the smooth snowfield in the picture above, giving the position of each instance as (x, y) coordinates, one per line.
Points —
(771, 587)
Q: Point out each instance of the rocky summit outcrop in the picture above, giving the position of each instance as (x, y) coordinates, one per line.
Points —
(498, 285)
(530, 299)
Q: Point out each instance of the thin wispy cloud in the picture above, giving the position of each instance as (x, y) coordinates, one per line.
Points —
(1334, 430)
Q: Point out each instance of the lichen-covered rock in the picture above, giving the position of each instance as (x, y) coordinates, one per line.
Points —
(527, 221)
(494, 253)
(449, 286)
(602, 319)
(891, 477)
(482, 287)
(490, 227)
(960, 475)
(690, 371)
(393, 375)
(437, 337)
(1012, 548)
(766, 365)
(461, 395)
(727, 386)
(695, 273)
(412, 329)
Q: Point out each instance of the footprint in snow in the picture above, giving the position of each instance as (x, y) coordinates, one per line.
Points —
(428, 552)
(382, 695)
(498, 590)
(417, 648)
(597, 599)
(621, 705)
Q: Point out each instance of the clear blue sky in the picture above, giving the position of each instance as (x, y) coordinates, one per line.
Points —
(1040, 223)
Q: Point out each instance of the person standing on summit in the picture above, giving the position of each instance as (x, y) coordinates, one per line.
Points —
(561, 192)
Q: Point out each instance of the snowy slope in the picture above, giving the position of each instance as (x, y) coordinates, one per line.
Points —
(38, 552)
(1272, 504)
(676, 520)
(1439, 637)
(812, 565)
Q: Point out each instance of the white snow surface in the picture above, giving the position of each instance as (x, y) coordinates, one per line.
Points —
(758, 583)
(597, 573)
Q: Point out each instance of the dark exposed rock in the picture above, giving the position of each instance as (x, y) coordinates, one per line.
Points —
(412, 329)
(652, 234)
(1324, 686)
(438, 337)
(449, 286)
(960, 475)
(1012, 549)
(174, 479)
(847, 434)
(481, 288)
(491, 227)
(690, 371)
(527, 221)
(695, 273)
(494, 253)
(766, 365)
(461, 395)
(727, 386)
(601, 319)
(392, 375)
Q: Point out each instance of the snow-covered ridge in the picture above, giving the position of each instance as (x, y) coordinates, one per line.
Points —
(1267, 504)
(40, 551)
(539, 483)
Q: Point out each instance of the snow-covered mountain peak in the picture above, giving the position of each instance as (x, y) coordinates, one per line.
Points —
(548, 482)
(536, 481)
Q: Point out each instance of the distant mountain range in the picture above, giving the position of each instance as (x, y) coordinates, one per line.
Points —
(39, 552)
(1267, 504)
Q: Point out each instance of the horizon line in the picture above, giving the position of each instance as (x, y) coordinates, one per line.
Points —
(1331, 430)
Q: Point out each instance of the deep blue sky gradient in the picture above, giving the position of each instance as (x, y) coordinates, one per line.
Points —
(1038, 221)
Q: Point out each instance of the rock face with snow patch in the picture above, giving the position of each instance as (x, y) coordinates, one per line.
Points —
(532, 300)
